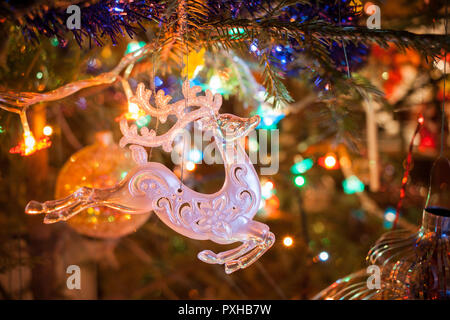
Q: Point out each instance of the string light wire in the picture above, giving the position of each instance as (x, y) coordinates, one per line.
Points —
(153, 87)
(186, 103)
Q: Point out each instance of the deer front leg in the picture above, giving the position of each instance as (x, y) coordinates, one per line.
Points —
(117, 197)
(249, 258)
(220, 258)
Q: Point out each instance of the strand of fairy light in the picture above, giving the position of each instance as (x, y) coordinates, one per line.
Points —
(20, 102)
(29, 145)
(186, 103)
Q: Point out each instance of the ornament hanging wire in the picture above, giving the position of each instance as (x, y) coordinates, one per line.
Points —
(441, 158)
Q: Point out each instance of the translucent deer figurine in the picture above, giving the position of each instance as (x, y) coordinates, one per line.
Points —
(223, 217)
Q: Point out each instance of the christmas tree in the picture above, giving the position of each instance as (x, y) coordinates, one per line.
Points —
(351, 103)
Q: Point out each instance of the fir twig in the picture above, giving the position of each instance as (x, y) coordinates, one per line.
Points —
(273, 84)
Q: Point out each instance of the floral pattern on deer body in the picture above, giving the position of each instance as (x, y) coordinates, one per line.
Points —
(223, 217)
(194, 214)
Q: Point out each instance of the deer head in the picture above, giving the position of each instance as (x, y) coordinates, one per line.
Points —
(228, 127)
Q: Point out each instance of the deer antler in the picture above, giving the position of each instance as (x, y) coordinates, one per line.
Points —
(209, 104)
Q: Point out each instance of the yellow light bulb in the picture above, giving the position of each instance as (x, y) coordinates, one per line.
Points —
(30, 142)
(133, 111)
(133, 107)
(190, 166)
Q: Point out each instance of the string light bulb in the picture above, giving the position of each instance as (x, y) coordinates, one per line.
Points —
(352, 185)
(323, 256)
(30, 141)
(195, 156)
(288, 241)
(329, 161)
(389, 217)
(215, 84)
(133, 108)
(29, 145)
(302, 166)
(134, 112)
(421, 119)
(48, 131)
(299, 181)
(190, 166)
(267, 189)
(269, 185)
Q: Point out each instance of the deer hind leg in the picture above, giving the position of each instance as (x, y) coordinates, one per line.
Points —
(220, 258)
(263, 238)
(63, 209)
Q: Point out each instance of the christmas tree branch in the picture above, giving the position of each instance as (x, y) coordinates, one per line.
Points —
(429, 45)
(273, 83)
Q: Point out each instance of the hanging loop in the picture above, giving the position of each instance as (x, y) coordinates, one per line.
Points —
(438, 198)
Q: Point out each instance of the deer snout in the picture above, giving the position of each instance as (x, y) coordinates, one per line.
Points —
(254, 121)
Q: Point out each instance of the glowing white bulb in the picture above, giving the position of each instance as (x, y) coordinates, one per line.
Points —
(288, 241)
(266, 189)
(190, 166)
(330, 161)
(299, 181)
(268, 121)
(215, 83)
(47, 130)
(323, 256)
(389, 216)
(30, 142)
(269, 184)
(133, 108)
(195, 155)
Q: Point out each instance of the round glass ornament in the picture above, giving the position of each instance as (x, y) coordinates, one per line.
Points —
(100, 165)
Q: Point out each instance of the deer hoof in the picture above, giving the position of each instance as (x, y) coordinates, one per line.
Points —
(208, 256)
(232, 266)
(34, 207)
(269, 240)
(52, 218)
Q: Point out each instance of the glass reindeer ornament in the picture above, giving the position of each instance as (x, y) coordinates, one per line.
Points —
(223, 217)
(412, 266)
(100, 165)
